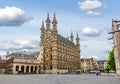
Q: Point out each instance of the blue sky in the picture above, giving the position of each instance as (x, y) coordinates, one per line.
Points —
(20, 22)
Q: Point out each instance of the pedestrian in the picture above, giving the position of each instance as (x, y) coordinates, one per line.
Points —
(97, 73)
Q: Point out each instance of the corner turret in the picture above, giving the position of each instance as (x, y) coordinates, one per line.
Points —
(48, 23)
(54, 22)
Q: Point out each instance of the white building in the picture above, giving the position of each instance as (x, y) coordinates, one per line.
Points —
(22, 63)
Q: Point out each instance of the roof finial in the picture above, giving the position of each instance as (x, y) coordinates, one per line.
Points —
(54, 16)
(42, 27)
(71, 35)
(54, 19)
(48, 19)
(77, 36)
(48, 15)
(77, 41)
(42, 24)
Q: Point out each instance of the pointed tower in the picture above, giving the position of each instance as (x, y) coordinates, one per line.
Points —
(77, 41)
(42, 32)
(41, 55)
(71, 37)
(55, 44)
(54, 22)
(48, 23)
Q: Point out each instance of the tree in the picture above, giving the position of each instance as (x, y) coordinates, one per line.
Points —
(111, 61)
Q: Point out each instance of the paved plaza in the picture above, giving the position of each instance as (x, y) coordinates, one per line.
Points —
(58, 79)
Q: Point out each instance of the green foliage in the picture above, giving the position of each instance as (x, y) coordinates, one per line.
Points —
(107, 69)
(111, 61)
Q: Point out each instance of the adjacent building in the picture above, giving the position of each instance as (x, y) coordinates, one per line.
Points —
(88, 65)
(2, 65)
(102, 64)
(57, 53)
(22, 63)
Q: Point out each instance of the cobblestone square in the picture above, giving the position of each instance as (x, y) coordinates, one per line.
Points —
(58, 79)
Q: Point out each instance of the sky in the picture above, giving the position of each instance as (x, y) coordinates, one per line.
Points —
(20, 22)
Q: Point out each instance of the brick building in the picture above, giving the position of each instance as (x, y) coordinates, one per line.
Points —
(2, 65)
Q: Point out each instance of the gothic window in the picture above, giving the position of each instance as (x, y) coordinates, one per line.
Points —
(58, 57)
(51, 66)
(61, 58)
(65, 58)
(58, 66)
(51, 48)
(50, 56)
(46, 56)
(44, 67)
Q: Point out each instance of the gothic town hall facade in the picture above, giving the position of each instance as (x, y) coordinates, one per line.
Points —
(57, 53)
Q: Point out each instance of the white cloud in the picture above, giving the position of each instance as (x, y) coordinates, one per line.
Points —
(92, 13)
(29, 46)
(87, 31)
(96, 57)
(95, 48)
(89, 4)
(13, 16)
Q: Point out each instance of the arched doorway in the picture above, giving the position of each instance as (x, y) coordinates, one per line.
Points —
(22, 69)
(27, 69)
(31, 69)
(35, 68)
(17, 68)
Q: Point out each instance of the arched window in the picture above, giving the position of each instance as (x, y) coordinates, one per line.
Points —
(58, 57)
(51, 48)
(17, 68)
(50, 56)
(27, 69)
(35, 68)
(58, 66)
(22, 69)
(50, 66)
(31, 68)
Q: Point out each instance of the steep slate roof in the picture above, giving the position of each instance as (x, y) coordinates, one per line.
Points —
(66, 41)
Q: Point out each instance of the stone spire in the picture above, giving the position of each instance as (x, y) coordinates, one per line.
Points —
(48, 22)
(77, 41)
(77, 36)
(42, 27)
(54, 19)
(71, 37)
(42, 32)
(54, 22)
